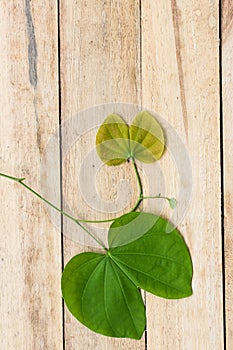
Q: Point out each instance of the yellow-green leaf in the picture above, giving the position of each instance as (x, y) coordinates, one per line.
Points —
(146, 138)
(143, 140)
(112, 140)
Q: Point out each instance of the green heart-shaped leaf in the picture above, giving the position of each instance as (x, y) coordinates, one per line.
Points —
(101, 290)
(129, 228)
(143, 140)
(158, 261)
(102, 297)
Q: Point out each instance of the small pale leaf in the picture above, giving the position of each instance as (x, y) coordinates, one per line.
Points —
(172, 202)
(112, 140)
(146, 138)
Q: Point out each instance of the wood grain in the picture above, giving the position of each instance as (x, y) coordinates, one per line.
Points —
(99, 64)
(163, 55)
(30, 253)
(180, 75)
(227, 83)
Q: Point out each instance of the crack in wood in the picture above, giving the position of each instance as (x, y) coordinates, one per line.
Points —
(38, 129)
(175, 20)
(32, 46)
(227, 18)
(32, 65)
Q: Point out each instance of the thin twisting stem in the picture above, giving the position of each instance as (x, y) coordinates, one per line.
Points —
(163, 197)
(20, 181)
(66, 214)
(140, 198)
(154, 197)
(79, 221)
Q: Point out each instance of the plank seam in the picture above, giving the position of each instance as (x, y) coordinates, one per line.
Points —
(141, 101)
(60, 156)
(222, 172)
(140, 51)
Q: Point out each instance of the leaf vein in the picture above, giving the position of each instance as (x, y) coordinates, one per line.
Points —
(105, 298)
(152, 277)
(154, 256)
(114, 138)
(124, 296)
(88, 281)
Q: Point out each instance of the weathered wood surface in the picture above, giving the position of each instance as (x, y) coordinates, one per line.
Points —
(227, 98)
(99, 64)
(30, 253)
(163, 55)
(180, 64)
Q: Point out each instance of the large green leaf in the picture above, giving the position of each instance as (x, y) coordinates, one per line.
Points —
(143, 140)
(130, 227)
(102, 297)
(158, 261)
(112, 140)
(101, 290)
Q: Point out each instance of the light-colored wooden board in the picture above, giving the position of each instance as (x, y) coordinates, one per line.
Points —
(30, 253)
(173, 71)
(100, 48)
(227, 88)
(180, 80)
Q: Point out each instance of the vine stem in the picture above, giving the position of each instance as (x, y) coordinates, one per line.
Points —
(20, 181)
(79, 221)
(172, 201)
(153, 197)
(140, 198)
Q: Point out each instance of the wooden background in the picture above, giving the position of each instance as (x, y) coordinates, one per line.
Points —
(58, 58)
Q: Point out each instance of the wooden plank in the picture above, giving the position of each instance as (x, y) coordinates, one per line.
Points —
(99, 64)
(227, 83)
(180, 81)
(30, 253)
